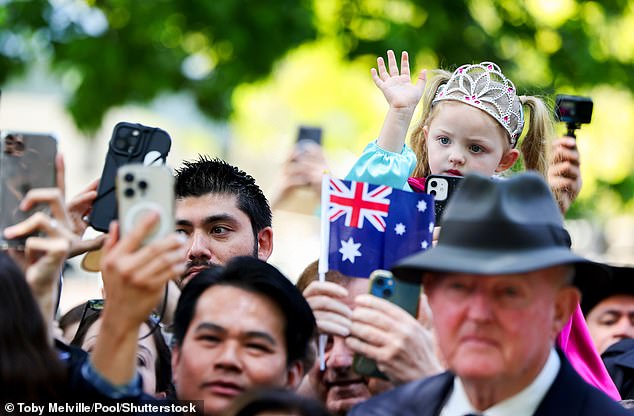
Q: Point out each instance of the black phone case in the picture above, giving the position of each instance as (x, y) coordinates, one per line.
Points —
(441, 187)
(130, 143)
(27, 161)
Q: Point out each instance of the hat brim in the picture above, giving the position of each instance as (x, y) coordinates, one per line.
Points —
(589, 276)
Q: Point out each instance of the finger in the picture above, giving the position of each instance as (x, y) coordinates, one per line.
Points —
(165, 260)
(111, 239)
(52, 197)
(84, 246)
(326, 289)
(156, 250)
(562, 153)
(54, 248)
(424, 312)
(404, 63)
(36, 222)
(328, 304)
(382, 306)
(332, 325)
(368, 334)
(421, 81)
(384, 317)
(139, 232)
(381, 67)
(375, 77)
(391, 61)
(60, 173)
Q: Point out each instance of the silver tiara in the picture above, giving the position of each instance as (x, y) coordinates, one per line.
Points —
(485, 87)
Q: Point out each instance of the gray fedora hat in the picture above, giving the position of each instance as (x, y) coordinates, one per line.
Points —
(502, 227)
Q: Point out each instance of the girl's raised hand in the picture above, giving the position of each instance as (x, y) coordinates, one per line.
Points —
(397, 87)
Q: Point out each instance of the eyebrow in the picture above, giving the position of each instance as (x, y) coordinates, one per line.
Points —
(209, 326)
(207, 220)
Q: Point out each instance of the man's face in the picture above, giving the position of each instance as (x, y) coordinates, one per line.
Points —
(499, 329)
(611, 320)
(235, 341)
(339, 386)
(217, 230)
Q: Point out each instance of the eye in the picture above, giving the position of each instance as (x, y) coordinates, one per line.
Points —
(218, 229)
(444, 140)
(140, 360)
(476, 148)
(258, 347)
(209, 339)
(182, 231)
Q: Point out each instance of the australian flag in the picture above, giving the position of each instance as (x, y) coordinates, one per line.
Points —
(369, 227)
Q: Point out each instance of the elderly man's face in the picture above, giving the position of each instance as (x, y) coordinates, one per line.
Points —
(611, 320)
(499, 329)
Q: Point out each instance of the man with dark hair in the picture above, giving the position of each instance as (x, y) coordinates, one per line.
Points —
(222, 212)
(500, 288)
(236, 327)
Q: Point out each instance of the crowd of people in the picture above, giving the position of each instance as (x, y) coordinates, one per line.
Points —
(510, 321)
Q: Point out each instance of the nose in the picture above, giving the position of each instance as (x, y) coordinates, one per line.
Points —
(479, 307)
(456, 157)
(228, 357)
(625, 328)
(339, 357)
(199, 247)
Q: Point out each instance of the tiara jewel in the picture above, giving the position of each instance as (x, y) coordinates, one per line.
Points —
(485, 87)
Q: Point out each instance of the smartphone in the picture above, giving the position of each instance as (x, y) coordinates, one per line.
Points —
(401, 293)
(130, 143)
(141, 189)
(442, 188)
(309, 134)
(27, 161)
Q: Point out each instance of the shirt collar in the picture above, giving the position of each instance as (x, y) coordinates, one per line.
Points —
(525, 402)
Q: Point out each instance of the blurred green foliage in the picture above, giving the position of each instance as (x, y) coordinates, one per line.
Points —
(108, 53)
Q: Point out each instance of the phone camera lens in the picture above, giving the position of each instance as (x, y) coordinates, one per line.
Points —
(129, 192)
(121, 144)
(128, 177)
(433, 183)
(433, 192)
(387, 293)
(142, 185)
(380, 282)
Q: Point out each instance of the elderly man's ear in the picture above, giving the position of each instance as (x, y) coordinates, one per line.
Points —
(566, 302)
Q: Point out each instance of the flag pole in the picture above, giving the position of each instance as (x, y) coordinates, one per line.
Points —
(322, 268)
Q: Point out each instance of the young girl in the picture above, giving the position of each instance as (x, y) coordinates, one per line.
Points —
(471, 121)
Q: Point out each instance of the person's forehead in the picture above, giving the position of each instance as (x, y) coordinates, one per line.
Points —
(621, 300)
(231, 302)
(209, 205)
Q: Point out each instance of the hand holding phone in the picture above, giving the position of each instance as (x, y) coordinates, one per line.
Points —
(27, 161)
(442, 188)
(130, 143)
(141, 190)
(401, 293)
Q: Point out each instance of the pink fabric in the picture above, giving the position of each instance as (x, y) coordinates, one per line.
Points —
(417, 184)
(574, 340)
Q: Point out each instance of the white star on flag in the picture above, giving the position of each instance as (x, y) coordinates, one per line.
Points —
(424, 245)
(422, 206)
(431, 227)
(399, 229)
(349, 250)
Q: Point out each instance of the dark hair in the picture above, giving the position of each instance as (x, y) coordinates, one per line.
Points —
(259, 277)
(253, 402)
(163, 363)
(205, 175)
(29, 366)
(71, 317)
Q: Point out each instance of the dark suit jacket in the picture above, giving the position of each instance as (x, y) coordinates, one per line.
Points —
(569, 395)
(619, 360)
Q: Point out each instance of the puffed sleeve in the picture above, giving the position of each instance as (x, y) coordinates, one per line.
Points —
(379, 166)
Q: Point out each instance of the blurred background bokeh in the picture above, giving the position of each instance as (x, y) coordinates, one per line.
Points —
(235, 79)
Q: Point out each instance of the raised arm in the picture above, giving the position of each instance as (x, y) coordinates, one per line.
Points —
(402, 97)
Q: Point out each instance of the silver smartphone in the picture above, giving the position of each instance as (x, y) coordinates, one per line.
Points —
(27, 161)
(141, 189)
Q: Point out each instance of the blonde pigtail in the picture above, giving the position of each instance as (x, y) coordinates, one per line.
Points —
(535, 146)
(417, 138)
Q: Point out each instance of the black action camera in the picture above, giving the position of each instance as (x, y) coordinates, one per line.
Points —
(574, 111)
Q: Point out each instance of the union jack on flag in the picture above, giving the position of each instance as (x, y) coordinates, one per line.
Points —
(367, 227)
